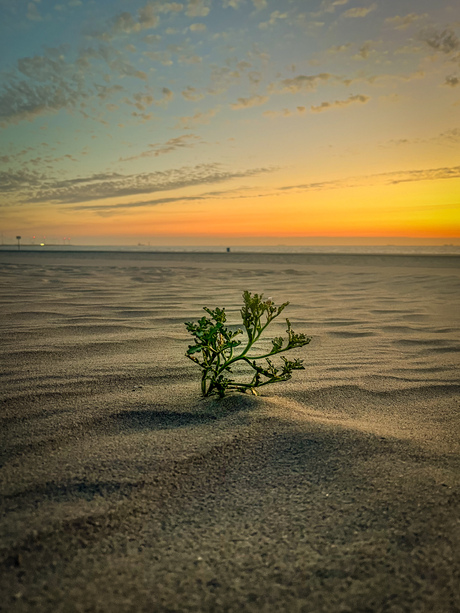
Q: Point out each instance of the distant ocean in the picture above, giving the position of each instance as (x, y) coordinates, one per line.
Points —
(447, 249)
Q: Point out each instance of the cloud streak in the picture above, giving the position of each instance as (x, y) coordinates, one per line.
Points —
(327, 106)
(245, 103)
(199, 118)
(360, 11)
(402, 23)
(302, 83)
(446, 41)
(452, 81)
(389, 178)
(173, 144)
(450, 138)
(110, 209)
(115, 185)
(320, 108)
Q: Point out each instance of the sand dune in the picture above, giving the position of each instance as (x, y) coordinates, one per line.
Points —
(123, 490)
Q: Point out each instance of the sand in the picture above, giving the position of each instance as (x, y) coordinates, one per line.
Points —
(123, 490)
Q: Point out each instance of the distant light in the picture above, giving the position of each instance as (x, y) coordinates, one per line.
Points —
(42, 244)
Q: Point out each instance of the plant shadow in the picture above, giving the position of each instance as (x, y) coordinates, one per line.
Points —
(211, 410)
(148, 419)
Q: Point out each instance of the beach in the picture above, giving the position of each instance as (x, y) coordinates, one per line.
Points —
(123, 490)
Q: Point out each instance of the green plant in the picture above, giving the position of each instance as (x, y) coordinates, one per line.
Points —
(215, 348)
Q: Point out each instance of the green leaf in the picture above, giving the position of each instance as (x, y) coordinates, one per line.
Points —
(194, 349)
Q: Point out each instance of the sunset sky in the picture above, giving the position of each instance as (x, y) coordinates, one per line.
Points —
(229, 121)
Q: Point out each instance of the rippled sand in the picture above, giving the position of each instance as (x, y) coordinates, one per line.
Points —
(123, 490)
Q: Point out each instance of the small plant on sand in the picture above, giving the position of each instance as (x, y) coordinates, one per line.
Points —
(216, 347)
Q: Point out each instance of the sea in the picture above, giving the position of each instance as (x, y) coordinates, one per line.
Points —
(447, 249)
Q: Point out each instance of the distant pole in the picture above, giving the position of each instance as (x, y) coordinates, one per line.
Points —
(18, 238)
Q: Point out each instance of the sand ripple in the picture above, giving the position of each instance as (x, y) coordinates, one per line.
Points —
(123, 490)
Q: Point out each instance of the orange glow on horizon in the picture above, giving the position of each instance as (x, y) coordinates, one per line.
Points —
(413, 210)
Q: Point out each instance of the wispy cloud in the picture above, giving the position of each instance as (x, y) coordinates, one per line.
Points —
(274, 17)
(232, 3)
(14, 180)
(110, 209)
(449, 138)
(41, 84)
(115, 185)
(389, 178)
(360, 11)
(197, 27)
(199, 118)
(446, 41)
(114, 59)
(364, 51)
(326, 106)
(224, 77)
(245, 103)
(452, 81)
(339, 48)
(237, 193)
(46, 84)
(191, 93)
(300, 110)
(402, 23)
(33, 13)
(173, 144)
(24, 100)
(329, 6)
(69, 5)
(147, 18)
(198, 8)
(431, 174)
(302, 83)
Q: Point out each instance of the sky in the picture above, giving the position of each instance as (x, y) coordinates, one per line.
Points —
(229, 121)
